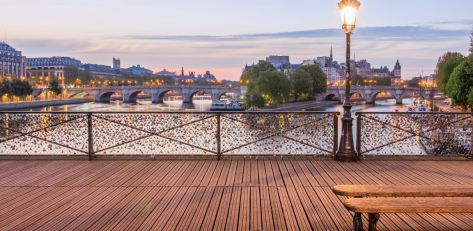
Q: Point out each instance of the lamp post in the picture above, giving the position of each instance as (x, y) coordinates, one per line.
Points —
(346, 151)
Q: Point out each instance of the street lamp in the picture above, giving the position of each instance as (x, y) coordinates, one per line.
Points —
(346, 152)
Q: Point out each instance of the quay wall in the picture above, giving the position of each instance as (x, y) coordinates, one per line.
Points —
(36, 104)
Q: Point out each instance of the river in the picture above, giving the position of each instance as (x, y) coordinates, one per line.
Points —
(203, 105)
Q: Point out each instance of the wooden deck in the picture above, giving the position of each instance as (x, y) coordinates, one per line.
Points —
(206, 195)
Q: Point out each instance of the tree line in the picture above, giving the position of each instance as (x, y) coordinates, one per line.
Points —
(268, 86)
(454, 76)
(15, 87)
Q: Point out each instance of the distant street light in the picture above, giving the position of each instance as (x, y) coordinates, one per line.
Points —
(346, 152)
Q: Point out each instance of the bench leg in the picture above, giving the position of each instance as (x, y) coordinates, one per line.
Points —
(373, 219)
(357, 222)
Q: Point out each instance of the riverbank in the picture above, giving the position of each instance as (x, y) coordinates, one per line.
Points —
(39, 104)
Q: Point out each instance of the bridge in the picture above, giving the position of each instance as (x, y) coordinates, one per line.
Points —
(157, 93)
(369, 93)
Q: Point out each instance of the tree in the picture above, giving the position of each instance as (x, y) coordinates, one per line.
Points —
(470, 98)
(273, 86)
(253, 73)
(460, 83)
(15, 87)
(250, 78)
(445, 67)
(302, 84)
(54, 86)
(319, 79)
(384, 81)
(414, 82)
(85, 77)
(71, 74)
(5, 87)
(358, 80)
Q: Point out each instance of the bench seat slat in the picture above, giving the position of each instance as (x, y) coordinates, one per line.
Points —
(404, 190)
(410, 205)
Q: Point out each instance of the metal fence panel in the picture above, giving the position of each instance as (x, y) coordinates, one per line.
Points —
(423, 134)
(168, 133)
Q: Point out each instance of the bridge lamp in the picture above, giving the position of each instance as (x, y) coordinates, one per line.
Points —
(346, 151)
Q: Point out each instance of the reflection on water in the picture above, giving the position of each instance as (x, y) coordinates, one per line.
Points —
(388, 105)
(205, 105)
(140, 105)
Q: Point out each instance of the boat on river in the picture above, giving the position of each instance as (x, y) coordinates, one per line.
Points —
(226, 105)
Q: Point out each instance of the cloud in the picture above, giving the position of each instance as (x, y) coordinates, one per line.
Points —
(418, 48)
(402, 33)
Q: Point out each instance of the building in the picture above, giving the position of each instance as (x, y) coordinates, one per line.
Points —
(281, 63)
(52, 66)
(165, 72)
(12, 63)
(116, 64)
(208, 76)
(138, 70)
(102, 71)
(397, 70)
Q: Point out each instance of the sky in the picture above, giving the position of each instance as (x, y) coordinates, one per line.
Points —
(224, 35)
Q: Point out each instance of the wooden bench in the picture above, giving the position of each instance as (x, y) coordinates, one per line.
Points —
(376, 199)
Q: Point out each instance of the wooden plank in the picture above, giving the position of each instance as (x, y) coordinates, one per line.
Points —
(209, 220)
(234, 210)
(266, 210)
(255, 209)
(403, 190)
(219, 223)
(410, 205)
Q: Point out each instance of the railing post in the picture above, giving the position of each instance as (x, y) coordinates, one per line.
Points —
(90, 136)
(219, 148)
(358, 134)
(335, 134)
(471, 143)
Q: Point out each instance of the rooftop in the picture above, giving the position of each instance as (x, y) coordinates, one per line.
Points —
(210, 194)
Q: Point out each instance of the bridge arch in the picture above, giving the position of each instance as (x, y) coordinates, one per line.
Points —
(158, 96)
(190, 98)
(104, 97)
(359, 94)
(131, 96)
(391, 94)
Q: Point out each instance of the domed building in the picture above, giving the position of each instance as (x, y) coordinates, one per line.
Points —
(12, 63)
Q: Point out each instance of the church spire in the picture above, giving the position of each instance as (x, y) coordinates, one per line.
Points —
(331, 53)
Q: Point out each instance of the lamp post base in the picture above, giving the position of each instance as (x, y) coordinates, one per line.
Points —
(346, 151)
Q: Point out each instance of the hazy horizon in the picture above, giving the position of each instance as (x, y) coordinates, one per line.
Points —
(223, 36)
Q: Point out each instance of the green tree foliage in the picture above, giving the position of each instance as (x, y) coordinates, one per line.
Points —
(15, 87)
(470, 98)
(460, 83)
(250, 77)
(319, 79)
(54, 86)
(71, 74)
(274, 87)
(413, 82)
(445, 67)
(85, 77)
(384, 81)
(253, 74)
(302, 84)
(358, 80)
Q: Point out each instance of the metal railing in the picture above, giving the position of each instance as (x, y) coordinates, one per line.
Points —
(422, 134)
(168, 133)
